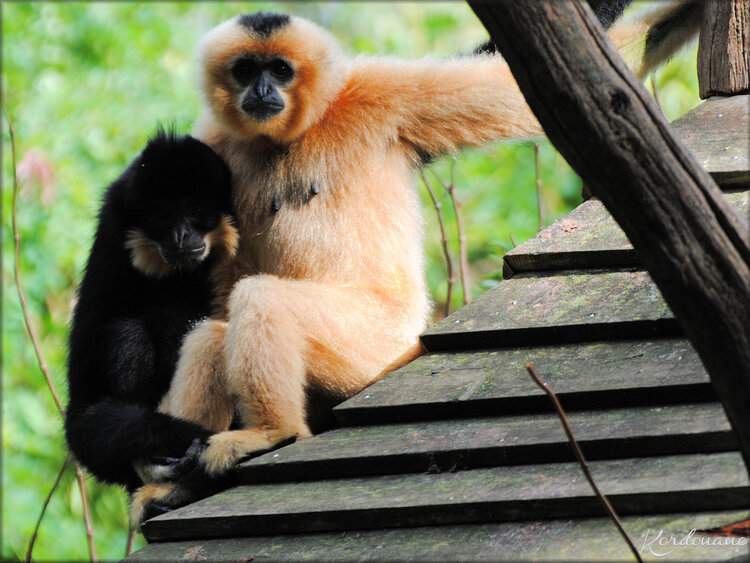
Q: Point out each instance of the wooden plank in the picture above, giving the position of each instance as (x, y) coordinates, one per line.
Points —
(569, 539)
(559, 490)
(486, 442)
(723, 63)
(717, 132)
(588, 237)
(493, 382)
(567, 307)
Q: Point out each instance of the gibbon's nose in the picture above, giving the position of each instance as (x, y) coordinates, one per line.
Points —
(187, 241)
(179, 234)
(263, 87)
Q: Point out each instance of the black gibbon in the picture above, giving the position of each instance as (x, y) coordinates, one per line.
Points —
(165, 223)
(330, 291)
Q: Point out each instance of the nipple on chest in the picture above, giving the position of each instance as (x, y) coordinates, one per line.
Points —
(312, 191)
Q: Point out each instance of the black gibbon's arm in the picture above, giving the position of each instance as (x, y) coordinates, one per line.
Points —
(163, 227)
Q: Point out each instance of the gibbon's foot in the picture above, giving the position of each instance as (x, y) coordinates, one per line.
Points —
(226, 449)
(158, 469)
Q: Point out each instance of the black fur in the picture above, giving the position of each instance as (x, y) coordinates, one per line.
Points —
(607, 11)
(687, 12)
(128, 327)
(264, 24)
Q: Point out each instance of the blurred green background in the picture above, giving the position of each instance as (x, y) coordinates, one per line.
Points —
(86, 84)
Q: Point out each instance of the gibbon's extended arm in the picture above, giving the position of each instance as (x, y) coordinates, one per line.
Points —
(439, 106)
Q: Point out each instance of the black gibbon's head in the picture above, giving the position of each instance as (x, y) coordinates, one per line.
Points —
(177, 199)
(269, 75)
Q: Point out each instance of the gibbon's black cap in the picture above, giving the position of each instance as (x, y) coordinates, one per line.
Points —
(264, 24)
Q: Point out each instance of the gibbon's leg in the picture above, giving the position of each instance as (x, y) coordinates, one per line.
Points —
(284, 335)
(199, 391)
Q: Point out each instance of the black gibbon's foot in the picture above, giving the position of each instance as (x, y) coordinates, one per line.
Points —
(158, 469)
(155, 499)
(154, 508)
(158, 498)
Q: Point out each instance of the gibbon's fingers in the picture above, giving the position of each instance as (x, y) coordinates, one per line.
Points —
(199, 391)
(159, 468)
(226, 449)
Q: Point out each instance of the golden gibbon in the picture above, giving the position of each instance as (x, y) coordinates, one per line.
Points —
(328, 288)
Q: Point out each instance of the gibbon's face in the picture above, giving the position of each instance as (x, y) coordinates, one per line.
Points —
(179, 199)
(261, 81)
(269, 74)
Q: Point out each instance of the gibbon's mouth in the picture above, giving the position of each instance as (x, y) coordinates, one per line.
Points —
(185, 259)
(262, 111)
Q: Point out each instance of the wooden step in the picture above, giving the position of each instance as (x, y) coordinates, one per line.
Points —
(588, 237)
(495, 382)
(569, 539)
(486, 442)
(566, 307)
(717, 132)
(648, 485)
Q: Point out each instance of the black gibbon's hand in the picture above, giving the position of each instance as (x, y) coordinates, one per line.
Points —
(158, 469)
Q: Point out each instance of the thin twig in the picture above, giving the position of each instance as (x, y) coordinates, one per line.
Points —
(16, 267)
(656, 92)
(513, 240)
(30, 329)
(32, 541)
(86, 513)
(581, 460)
(451, 276)
(131, 538)
(538, 167)
(463, 261)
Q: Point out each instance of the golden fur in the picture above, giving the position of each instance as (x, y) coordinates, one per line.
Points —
(330, 288)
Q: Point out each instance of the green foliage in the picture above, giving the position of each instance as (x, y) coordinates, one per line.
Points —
(86, 84)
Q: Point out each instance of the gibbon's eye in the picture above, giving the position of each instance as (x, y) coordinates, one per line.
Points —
(281, 70)
(244, 70)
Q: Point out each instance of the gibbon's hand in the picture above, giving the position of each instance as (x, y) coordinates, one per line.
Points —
(158, 469)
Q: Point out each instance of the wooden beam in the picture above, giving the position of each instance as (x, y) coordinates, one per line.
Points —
(724, 48)
(607, 126)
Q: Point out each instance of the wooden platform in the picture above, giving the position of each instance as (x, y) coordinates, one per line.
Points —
(459, 456)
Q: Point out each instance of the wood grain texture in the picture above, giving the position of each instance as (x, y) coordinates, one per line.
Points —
(494, 382)
(558, 490)
(717, 132)
(607, 126)
(588, 237)
(569, 539)
(486, 442)
(567, 307)
(724, 48)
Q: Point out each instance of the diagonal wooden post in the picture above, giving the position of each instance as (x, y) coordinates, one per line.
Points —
(610, 130)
